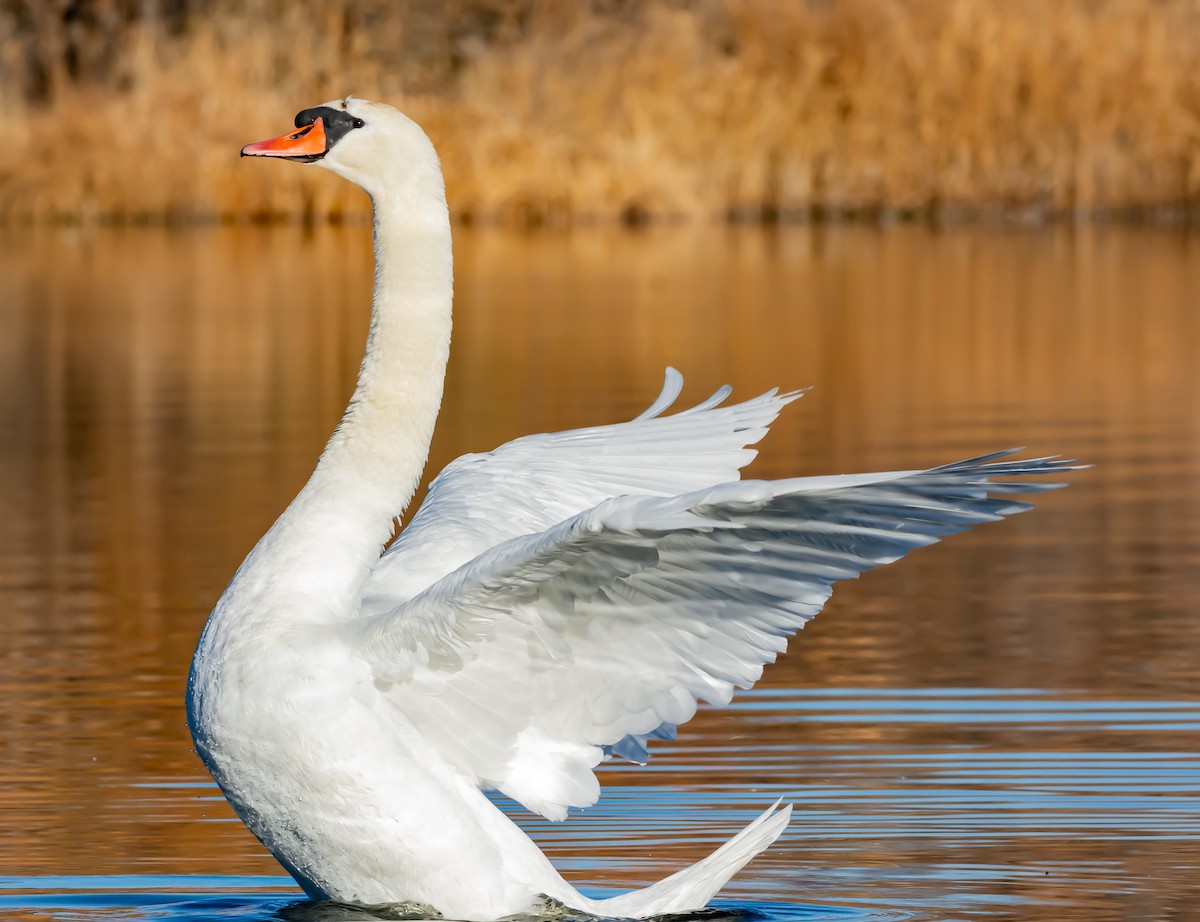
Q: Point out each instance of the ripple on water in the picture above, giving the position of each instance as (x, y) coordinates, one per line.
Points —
(911, 804)
(939, 803)
(175, 898)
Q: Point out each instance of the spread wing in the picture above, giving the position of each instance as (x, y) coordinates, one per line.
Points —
(535, 482)
(529, 662)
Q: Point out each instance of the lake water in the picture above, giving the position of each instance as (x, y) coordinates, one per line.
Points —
(1005, 726)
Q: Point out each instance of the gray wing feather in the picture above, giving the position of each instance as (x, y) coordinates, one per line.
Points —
(613, 624)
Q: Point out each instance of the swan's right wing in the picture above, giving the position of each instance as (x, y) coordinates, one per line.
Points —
(527, 664)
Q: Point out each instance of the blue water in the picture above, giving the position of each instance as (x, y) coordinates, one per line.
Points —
(236, 899)
(1009, 818)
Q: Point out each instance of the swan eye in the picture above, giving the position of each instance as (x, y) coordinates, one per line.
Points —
(358, 122)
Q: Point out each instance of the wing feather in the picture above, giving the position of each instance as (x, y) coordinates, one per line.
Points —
(605, 628)
(535, 482)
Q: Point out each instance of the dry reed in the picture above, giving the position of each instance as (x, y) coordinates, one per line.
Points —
(755, 108)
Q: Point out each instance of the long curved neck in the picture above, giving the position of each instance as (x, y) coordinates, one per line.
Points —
(379, 448)
(318, 554)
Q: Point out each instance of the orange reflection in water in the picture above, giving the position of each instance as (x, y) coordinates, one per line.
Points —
(163, 396)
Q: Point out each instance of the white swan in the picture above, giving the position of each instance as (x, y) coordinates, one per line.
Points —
(560, 599)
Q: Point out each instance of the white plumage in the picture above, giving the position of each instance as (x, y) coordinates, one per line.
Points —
(561, 599)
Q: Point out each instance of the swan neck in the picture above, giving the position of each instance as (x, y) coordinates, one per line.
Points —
(382, 441)
(315, 560)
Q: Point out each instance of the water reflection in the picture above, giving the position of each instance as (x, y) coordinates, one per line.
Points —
(1016, 725)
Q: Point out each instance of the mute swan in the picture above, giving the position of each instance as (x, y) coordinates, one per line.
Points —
(561, 599)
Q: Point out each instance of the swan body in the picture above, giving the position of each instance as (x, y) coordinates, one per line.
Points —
(560, 600)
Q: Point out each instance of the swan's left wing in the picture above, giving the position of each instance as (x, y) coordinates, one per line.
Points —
(525, 666)
(532, 483)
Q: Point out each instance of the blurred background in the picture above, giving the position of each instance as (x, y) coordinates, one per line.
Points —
(551, 111)
(967, 224)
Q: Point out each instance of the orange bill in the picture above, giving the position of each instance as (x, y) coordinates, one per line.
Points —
(305, 143)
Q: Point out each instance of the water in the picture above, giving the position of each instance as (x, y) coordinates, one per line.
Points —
(1006, 726)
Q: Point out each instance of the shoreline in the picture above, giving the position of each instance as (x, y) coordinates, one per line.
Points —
(1155, 216)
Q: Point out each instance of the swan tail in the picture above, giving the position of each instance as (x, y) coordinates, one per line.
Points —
(691, 889)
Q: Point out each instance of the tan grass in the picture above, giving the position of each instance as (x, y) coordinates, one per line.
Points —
(744, 107)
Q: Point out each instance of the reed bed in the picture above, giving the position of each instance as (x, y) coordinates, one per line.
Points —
(553, 112)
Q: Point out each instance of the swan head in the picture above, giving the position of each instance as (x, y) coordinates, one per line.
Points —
(368, 143)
